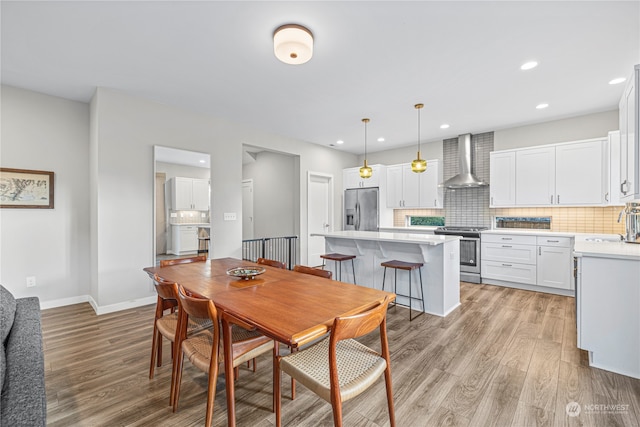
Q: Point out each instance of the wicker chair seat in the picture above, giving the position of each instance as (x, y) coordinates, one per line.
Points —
(197, 347)
(168, 324)
(358, 368)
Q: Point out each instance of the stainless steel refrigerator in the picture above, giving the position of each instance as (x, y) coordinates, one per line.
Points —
(361, 209)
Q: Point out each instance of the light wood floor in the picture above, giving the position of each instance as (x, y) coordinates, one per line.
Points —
(505, 357)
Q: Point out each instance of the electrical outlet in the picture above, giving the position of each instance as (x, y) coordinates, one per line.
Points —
(31, 281)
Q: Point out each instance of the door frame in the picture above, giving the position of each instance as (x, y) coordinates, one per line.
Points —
(249, 181)
(330, 208)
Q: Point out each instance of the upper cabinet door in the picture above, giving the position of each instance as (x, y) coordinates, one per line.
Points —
(502, 179)
(629, 139)
(394, 186)
(430, 194)
(181, 195)
(351, 178)
(200, 195)
(581, 173)
(535, 176)
(410, 187)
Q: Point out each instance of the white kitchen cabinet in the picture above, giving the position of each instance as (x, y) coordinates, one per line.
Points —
(582, 173)
(184, 239)
(608, 319)
(629, 117)
(554, 265)
(431, 195)
(189, 194)
(407, 189)
(502, 172)
(403, 187)
(351, 177)
(528, 261)
(535, 176)
(566, 174)
(612, 197)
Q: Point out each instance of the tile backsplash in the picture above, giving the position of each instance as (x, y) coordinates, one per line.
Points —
(188, 217)
(468, 207)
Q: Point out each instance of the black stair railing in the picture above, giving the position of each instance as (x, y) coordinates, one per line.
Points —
(282, 249)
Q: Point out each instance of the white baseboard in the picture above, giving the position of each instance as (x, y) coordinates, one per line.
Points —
(99, 309)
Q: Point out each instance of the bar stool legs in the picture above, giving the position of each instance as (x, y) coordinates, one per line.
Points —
(408, 266)
(338, 259)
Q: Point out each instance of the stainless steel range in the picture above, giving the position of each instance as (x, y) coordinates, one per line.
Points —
(469, 250)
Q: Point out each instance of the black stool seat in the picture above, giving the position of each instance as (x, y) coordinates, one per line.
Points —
(338, 258)
(406, 266)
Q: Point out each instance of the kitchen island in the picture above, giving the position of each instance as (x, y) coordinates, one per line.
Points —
(440, 274)
(607, 301)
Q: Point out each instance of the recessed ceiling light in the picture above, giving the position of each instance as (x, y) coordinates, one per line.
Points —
(444, 126)
(339, 142)
(529, 65)
(202, 161)
(381, 139)
(542, 106)
(617, 81)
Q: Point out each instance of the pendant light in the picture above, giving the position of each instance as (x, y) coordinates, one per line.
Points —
(419, 165)
(365, 171)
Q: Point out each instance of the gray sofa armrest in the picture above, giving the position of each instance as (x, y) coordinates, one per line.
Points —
(24, 401)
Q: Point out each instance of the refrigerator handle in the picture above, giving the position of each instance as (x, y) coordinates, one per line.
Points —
(357, 219)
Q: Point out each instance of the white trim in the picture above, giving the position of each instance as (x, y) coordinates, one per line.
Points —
(330, 207)
(98, 309)
(63, 302)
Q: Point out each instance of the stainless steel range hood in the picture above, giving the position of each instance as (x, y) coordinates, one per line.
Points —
(464, 179)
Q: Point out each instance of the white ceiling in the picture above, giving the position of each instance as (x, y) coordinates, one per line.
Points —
(371, 59)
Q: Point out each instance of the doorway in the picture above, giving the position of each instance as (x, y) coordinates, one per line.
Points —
(173, 224)
(319, 214)
(247, 209)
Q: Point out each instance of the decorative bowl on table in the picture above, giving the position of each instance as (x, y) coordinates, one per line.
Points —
(245, 273)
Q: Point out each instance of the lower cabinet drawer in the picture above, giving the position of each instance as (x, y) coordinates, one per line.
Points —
(509, 253)
(510, 272)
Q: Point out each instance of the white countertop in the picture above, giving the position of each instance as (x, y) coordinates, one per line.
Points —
(529, 232)
(381, 236)
(414, 229)
(619, 250)
(202, 225)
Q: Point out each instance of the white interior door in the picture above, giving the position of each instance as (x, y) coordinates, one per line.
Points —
(319, 214)
(247, 209)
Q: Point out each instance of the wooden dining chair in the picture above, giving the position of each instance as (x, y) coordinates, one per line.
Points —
(176, 261)
(315, 271)
(203, 349)
(339, 368)
(166, 325)
(271, 262)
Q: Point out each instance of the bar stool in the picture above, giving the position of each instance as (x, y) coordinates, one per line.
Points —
(338, 258)
(407, 266)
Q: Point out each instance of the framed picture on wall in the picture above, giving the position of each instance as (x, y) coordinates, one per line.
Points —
(27, 189)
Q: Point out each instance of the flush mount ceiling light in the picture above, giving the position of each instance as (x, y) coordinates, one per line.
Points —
(419, 165)
(542, 106)
(529, 65)
(293, 44)
(365, 170)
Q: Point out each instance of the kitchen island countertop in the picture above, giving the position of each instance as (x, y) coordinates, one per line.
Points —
(381, 236)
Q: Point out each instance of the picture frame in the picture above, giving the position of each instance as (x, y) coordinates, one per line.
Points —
(26, 189)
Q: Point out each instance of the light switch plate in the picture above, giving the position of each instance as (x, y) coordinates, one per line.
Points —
(174, 215)
(230, 216)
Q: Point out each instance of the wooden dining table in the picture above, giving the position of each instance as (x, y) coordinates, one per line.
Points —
(290, 307)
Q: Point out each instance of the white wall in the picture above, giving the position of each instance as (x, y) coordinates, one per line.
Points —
(274, 207)
(572, 129)
(47, 133)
